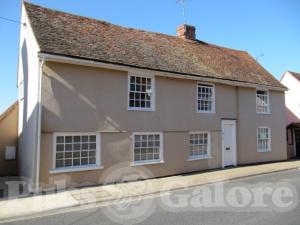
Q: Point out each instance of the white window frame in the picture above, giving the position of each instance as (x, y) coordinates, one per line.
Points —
(208, 156)
(269, 140)
(77, 168)
(268, 99)
(213, 106)
(146, 162)
(152, 96)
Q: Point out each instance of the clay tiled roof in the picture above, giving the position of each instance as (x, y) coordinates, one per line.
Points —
(296, 75)
(75, 36)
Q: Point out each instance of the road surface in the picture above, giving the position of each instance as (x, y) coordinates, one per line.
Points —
(156, 210)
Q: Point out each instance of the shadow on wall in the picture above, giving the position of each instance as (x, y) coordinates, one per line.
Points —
(68, 96)
(9, 124)
(25, 79)
(27, 137)
(290, 118)
(67, 107)
(8, 137)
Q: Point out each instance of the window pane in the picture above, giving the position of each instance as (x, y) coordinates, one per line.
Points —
(59, 155)
(76, 162)
(137, 157)
(85, 138)
(84, 161)
(92, 160)
(77, 147)
(131, 103)
(59, 163)
(69, 147)
(92, 153)
(69, 139)
(84, 154)
(93, 138)
(85, 146)
(92, 146)
(60, 148)
(76, 154)
(131, 96)
(132, 79)
(60, 139)
(76, 138)
(132, 87)
(68, 162)
(68, 155)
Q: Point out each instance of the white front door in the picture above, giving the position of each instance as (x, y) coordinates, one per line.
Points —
(229, 143)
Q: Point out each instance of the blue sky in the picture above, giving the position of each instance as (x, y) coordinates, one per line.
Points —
(268, 27)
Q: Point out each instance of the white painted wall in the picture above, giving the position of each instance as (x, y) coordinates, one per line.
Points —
(292, 98)
(28, 73)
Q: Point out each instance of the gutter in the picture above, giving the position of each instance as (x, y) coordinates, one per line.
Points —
(38, 142)
(130, 68)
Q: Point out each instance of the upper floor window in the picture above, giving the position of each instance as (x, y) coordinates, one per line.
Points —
(205, 98)
(263, 139)
(141, 93)
(262, 102)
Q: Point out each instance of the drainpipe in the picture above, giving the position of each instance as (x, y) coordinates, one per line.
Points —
(38, 143)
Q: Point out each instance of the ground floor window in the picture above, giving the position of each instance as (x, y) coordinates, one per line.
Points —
(263, 139)
(147, 147)
(199, 145)
(75, 150)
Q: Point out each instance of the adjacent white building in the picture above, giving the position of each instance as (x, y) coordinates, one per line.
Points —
(292, 102)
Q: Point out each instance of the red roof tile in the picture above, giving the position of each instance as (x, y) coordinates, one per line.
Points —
(76, 36)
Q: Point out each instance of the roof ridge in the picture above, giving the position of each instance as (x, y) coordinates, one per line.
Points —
(197, 41)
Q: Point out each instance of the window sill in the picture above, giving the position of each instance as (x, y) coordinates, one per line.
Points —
(207, 112)
(147, 163)
(264, 151)
(141, 109)
(75, 169)
(263, 113)
(199, 158)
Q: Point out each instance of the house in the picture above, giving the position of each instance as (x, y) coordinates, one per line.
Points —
(8, 141)
(292, 102)
(97, 94)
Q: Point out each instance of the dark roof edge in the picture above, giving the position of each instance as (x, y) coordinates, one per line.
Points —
(294, 74)
(166, 71)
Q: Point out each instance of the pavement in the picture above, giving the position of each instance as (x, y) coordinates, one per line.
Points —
(162, 215)
(35, 205)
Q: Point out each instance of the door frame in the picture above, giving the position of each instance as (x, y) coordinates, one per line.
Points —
(295, 144)
(232, 122)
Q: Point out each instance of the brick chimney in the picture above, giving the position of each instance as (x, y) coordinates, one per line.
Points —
(186, 32)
